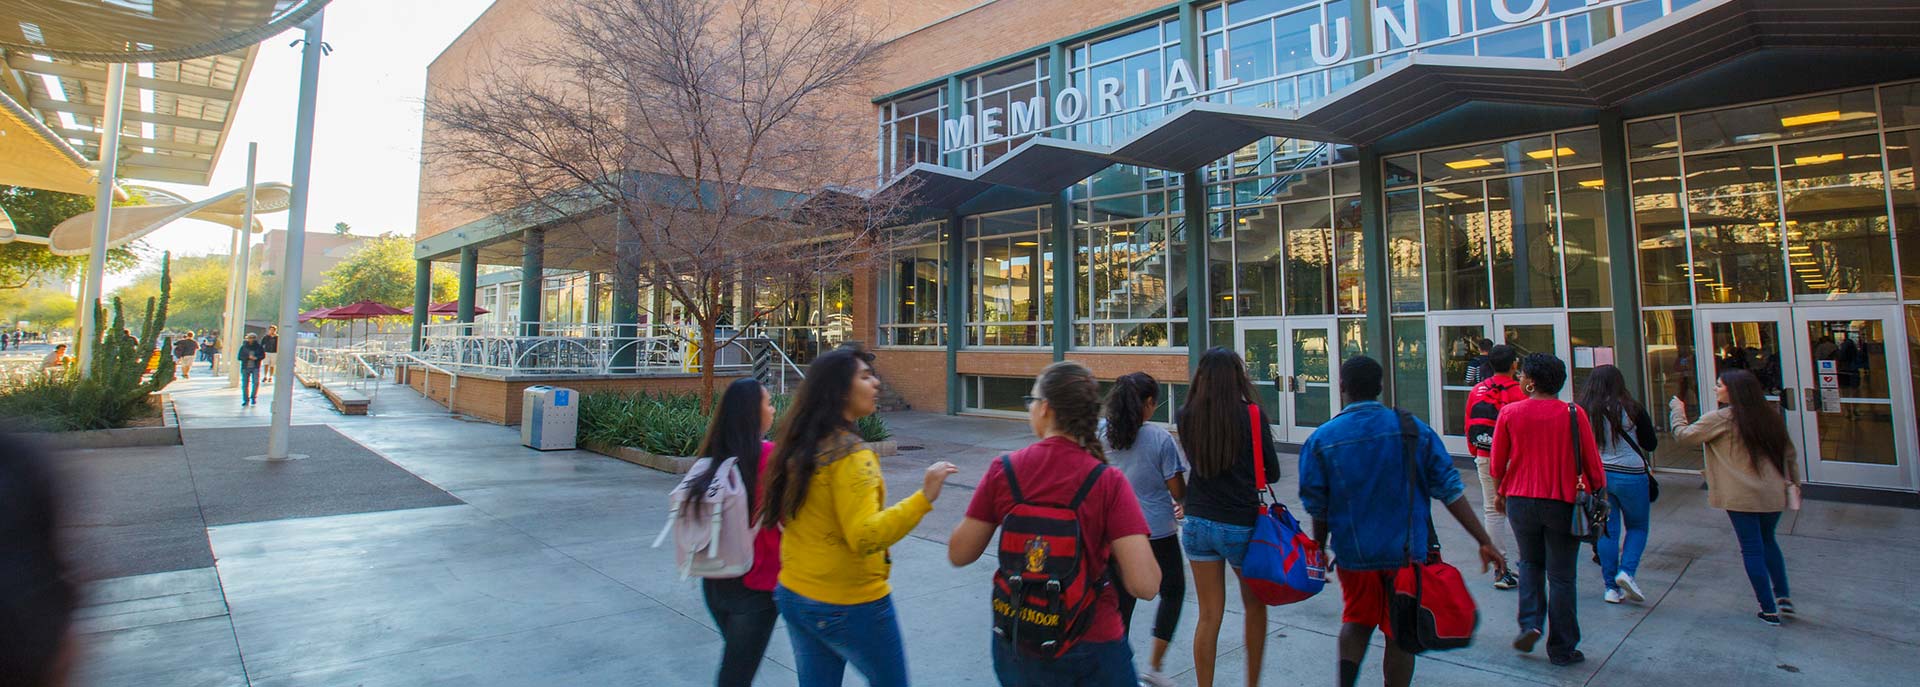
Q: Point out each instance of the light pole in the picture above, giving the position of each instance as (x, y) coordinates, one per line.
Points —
(290, 290)
(245, 260)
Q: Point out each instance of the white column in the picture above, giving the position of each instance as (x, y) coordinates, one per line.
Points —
(103, 206)
(245, 258)
(277, 433)
(226, 306)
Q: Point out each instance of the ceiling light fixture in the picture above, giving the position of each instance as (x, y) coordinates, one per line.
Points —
(1549, 154)
(1471, 163)
(1814, 118)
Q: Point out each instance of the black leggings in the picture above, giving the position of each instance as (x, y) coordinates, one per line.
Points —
(1173, 588)
(745, 618)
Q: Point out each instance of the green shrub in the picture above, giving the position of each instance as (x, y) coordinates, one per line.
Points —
(670, 424)
(118, 389)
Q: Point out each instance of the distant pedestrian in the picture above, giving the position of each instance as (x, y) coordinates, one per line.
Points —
(1354, 483)
(825, 491)
(1543, 454)
(742, 607)
(1496, 390)
(1624, 432)
(1752, 473)
(212, 348)
(249, 361)
(1151, 459)
(1065, 470)
(1479, 368)
(1223, 501)
(184, 350)
(271, 342)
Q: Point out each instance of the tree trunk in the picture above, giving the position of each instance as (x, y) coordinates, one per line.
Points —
(707, 358)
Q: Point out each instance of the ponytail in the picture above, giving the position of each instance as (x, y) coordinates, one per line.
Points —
(1069, 389)
(1126, 408)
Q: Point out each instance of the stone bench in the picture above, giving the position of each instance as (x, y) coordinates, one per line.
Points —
(347, 401)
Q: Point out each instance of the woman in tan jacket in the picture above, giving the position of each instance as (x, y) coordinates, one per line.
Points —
(1750, 467)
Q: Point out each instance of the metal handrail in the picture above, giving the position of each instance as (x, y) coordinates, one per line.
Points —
(453, 378)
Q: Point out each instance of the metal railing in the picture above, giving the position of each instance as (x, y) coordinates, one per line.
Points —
(363, 369)
(573, 348)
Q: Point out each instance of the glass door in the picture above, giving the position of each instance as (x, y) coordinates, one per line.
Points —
(1295, 370)
(1453, 351)
(1310, 388)
(1758, 340)
(1856, 419)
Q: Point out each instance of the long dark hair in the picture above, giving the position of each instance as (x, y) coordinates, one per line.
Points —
(1126, 408)
(1758, 424)
(1209, 422)
(734, 432)
(1606, 399)
(818, 413)
(1069, 389)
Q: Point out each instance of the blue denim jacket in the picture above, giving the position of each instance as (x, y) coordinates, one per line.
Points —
(1353, 477)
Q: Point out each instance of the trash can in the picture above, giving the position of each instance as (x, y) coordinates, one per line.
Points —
(549, 417)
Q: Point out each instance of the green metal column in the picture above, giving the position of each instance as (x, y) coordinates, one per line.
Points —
(1373, 246)
(1623, 252)
(422, 299)
(469, 273)
(532, 275)
(1193, 198)
(1061, 279)
(956, 310)
(626, 293)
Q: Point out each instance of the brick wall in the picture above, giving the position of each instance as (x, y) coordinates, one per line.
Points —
(1004, 364)
(993, 30)
(1167, 369)
(920, 376)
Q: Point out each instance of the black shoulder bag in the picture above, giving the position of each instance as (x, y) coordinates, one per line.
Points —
(1646, 460)
(1589, 506)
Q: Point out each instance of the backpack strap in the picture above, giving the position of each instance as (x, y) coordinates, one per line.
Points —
(1086, 487)
(1013, 485)
(1254, 427)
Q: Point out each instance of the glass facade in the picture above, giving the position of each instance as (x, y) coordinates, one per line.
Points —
(911, 289)
(1010, 278)
(996, 95)
(910, 130)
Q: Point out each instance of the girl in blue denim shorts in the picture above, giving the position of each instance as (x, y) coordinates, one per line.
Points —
(1222, 499)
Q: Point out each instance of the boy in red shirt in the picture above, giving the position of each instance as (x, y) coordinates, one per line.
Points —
(1483, 409)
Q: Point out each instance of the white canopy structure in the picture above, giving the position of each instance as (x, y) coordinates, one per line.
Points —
(127, 224)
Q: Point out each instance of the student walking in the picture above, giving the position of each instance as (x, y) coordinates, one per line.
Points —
(1371, 514)
(1752, 473)
(825, 490)
(1065, 471)
(1496, 390)
(1624, 433)
(1154, 466)
(249, 360)
(184, 349)
(1540, 461)
(1223, 501)
(742, 607)
(271, 344)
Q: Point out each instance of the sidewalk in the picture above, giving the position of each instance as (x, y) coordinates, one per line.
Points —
(538, 571)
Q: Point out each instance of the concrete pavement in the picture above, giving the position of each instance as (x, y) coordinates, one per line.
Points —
(539, 572)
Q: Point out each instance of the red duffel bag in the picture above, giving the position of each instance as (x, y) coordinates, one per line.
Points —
(1430, 608)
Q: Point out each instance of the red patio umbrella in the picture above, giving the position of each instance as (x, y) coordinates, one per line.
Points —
(449, 308)
(314, 314)
(363, 310)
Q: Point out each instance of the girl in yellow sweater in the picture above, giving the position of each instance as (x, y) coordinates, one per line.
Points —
(824, 489)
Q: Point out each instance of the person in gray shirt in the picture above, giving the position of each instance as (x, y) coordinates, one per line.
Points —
(1154, 466)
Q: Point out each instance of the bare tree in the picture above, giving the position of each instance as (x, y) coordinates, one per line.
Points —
(723, 138)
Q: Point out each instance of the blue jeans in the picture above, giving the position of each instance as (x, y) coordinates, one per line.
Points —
(1087, 664)
(249, 383)
(1766, 567)
(826, 637)
(1206, 540)
(1627, 493)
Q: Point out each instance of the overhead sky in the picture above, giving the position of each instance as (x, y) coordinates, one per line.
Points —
(366, 144)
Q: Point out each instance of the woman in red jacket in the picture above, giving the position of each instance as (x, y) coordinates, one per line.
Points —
(1543, 454)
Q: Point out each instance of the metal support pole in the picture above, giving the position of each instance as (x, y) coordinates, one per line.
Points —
(1623, 250)
(231, 346)
(533, 253)
(225, 336)
(277, 433)
(103, 207)
(1199, 239)
(422, 300)
(1375, 264)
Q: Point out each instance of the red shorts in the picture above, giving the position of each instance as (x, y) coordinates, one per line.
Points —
(1363, 597)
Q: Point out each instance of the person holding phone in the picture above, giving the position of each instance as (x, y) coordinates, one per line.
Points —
(1752, 473)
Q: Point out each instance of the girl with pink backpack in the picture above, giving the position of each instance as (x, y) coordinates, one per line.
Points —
(716, 505)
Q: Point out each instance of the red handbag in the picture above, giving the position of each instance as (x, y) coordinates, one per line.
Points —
(1430, 608)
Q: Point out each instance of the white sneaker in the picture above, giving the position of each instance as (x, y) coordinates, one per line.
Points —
(1626, 584)
(1153, 678)
(1613, 596)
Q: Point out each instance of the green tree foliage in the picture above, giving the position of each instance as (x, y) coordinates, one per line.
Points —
(42, 309)
(342, 228)
(36, 212)
(199, 289)
(381, 270)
